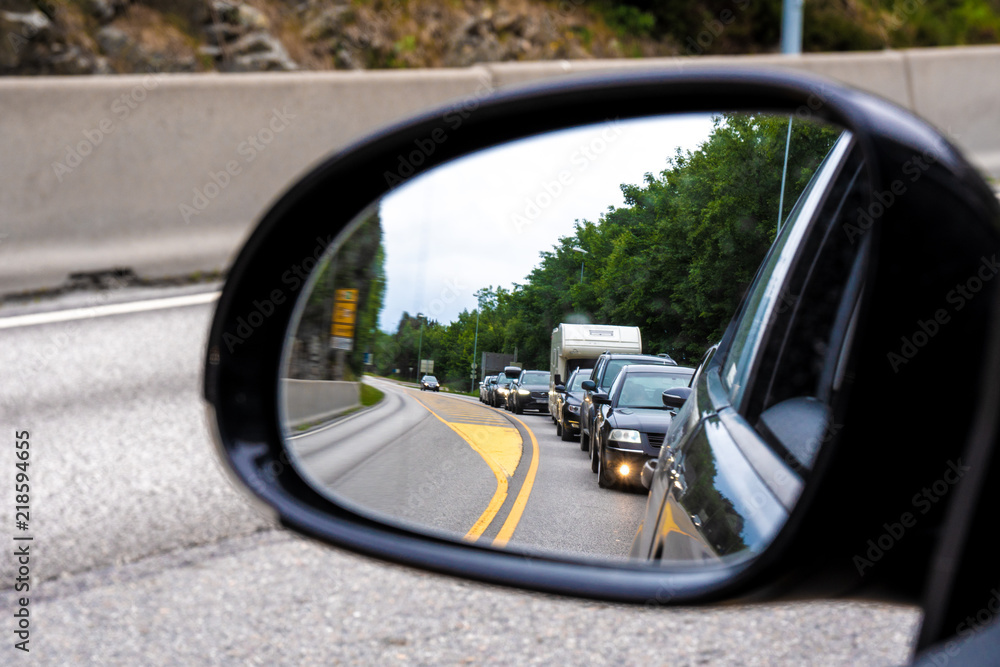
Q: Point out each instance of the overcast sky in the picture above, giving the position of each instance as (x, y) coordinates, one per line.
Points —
(483, 220)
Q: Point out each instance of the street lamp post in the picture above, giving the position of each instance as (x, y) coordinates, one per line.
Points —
(475, 345)
(420, 343)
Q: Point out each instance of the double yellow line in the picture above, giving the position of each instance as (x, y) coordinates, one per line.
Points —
(492, 456)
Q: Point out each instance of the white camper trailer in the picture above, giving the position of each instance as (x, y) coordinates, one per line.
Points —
(575, 345)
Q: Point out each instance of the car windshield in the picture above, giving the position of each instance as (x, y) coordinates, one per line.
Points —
(645, 390)
(535, 377)
(577, 380)
(430, 378)
(616, 365)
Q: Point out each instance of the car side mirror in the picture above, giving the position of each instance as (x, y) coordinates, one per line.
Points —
(675, 397)
(560, 389)
(600, 398)
(438, 482)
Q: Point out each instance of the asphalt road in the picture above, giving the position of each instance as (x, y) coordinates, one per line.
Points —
(453, 464)
(144, 554)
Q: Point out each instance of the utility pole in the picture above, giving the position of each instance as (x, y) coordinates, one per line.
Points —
(475, 345)
(791, 27)
(420, 344)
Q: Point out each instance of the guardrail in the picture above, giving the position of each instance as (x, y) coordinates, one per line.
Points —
(311, 401)
(166, 174)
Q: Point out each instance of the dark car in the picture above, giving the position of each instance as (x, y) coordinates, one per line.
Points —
(529, 392)
(632, 421)
(498, 392)
(606, 369)
(568, 401)
(567, 405)
(485, 386)
(429, 383)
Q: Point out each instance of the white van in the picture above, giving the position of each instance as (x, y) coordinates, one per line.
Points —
(574, 345)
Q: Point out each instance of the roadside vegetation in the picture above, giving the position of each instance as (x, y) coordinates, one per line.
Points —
(370, 395)
(118, 36)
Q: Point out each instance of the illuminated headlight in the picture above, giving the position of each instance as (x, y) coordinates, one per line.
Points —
(624, 470)
(575, 409)
(625, 435)
(503, 390)
(523, 392)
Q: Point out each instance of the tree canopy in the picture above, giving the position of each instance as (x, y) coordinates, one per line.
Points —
(675, 260)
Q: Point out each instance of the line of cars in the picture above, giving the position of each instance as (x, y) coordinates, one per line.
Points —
(516, 390)
(621, 410)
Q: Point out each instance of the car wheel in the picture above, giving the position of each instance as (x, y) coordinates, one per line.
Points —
(518, 409)
(566, 433)
(584, 442)
(559, 429)
(605, 478)
(595, 462)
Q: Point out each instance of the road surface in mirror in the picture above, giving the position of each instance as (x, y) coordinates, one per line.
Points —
(427, 368)
(449, 462)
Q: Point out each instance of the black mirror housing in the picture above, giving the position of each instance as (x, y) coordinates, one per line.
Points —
(674, 398)
(931, 223)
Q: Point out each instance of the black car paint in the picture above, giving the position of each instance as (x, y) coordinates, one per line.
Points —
(568, 420)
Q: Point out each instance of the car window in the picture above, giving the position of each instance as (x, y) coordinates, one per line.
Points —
(766, 293)
(645, 390)
(576, 381)
(535, 378)
(615, 367)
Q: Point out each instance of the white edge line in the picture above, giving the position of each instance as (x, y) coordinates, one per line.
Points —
(106, 310)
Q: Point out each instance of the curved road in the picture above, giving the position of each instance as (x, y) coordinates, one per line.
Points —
(455, 465)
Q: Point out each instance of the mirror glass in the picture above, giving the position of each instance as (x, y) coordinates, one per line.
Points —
(420, 369)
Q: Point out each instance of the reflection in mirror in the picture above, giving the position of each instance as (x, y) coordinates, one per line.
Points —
(421, 367)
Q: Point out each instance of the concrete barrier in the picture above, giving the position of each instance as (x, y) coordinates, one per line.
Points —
(166, 174)
(311, 401)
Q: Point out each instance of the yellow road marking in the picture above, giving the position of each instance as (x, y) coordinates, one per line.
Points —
(507, 530)
(669, 524)
(487, 441)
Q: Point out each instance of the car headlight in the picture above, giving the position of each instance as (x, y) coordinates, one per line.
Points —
(625, 435)
(575, 409)
(523, 392)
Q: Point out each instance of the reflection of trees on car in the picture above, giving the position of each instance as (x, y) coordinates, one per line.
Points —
(721, 525)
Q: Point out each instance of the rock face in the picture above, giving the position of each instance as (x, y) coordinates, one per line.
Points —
(137, 36)
(239, 40)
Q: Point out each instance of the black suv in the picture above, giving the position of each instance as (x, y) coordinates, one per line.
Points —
(606, 369)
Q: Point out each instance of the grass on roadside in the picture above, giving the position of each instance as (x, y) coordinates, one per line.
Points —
(370, 395)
